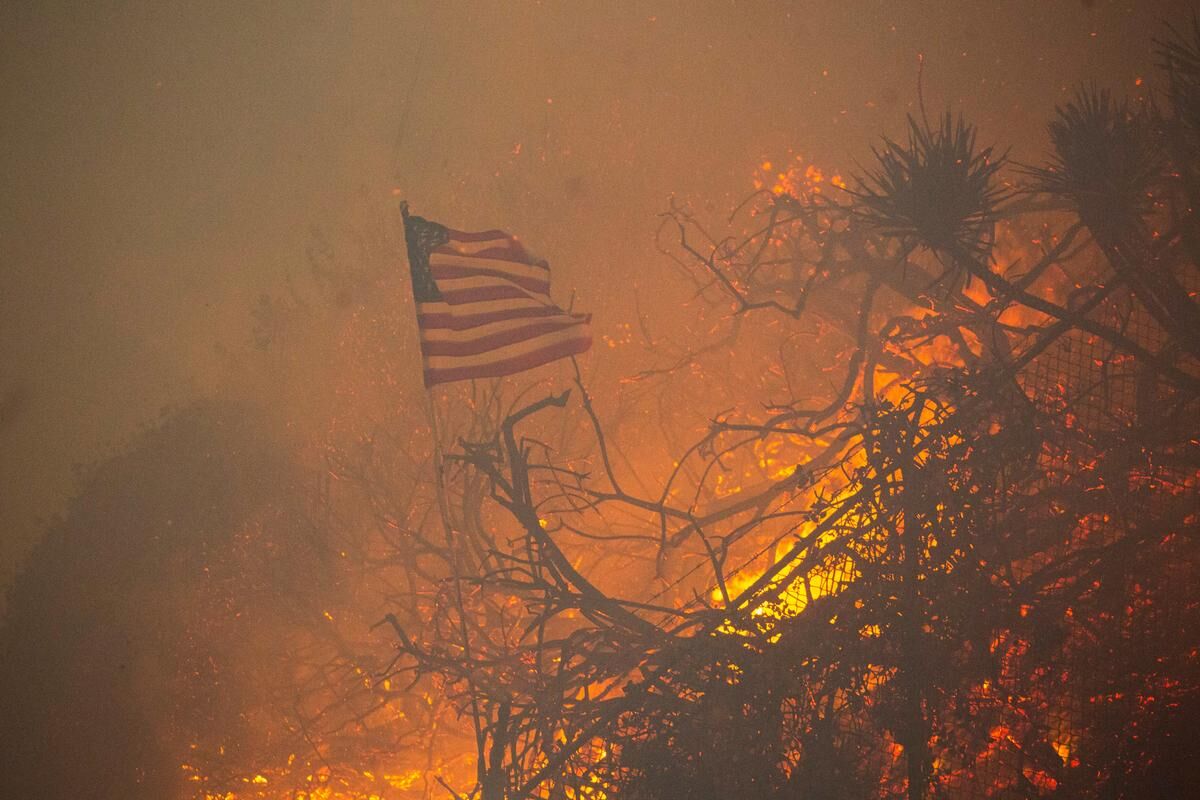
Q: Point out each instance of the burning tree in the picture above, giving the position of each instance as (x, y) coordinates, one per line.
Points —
(965, 567)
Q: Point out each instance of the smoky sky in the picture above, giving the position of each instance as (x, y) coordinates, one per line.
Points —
(164, 164)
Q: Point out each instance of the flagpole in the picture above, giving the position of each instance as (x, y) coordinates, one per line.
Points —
(431, 418)
(453, 556)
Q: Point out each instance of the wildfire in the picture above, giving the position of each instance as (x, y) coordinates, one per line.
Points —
(319, 784)
(814, 564)
(794, 178)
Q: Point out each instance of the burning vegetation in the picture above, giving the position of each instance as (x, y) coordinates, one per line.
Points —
(908, 510)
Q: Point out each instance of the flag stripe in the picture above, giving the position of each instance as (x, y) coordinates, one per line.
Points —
(491, 246)
(492, 256)
(510, 253)
(492, 341)
(501, 245)
(488, 329)
(507, 260)
(509, 351)
(505, 265)
(460, 320)
(450, 287)
(442, 274)
(498, 290)
(478, 236)
(505, 364)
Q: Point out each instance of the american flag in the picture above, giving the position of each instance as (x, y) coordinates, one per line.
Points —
(483, 305)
